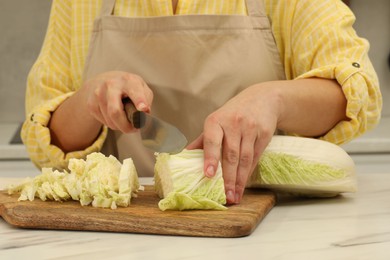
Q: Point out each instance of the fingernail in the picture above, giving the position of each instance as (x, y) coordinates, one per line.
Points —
(142, 106)
(237, 198)
(210, 171)
(230, 196)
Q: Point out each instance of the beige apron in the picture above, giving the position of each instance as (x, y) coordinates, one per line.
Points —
(192, 63)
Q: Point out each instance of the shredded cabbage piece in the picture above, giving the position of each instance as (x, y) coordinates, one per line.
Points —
(99, 180)
(184, 201)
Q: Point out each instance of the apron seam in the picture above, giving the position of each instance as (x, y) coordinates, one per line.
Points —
(182, 29)
(252, 23)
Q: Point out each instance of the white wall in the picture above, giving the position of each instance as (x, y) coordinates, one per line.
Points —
(373, 23)
(23, 25)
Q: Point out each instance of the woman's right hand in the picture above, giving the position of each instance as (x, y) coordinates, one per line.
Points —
(103, 95)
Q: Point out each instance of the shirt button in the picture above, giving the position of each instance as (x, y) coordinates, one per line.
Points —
(356, 65)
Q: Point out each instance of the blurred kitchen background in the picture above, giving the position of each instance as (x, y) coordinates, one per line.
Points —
(23, 24)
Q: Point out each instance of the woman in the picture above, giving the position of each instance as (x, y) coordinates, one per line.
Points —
(227, 73)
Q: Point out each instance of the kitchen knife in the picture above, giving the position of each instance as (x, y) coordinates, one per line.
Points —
(156, 134)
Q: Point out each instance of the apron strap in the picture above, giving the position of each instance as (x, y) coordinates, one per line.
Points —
(107, 8)
(255, 8)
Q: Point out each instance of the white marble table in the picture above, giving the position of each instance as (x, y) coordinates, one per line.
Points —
(353, 226)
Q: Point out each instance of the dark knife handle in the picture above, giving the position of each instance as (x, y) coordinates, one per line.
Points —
(135, 117)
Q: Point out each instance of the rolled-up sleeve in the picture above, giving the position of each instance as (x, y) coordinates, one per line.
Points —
(364, 101)
(317, 39)
(49, 83)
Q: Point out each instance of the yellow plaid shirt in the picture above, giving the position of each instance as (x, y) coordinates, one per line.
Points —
(314, 38)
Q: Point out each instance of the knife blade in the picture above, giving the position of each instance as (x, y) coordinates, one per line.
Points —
(156, 134)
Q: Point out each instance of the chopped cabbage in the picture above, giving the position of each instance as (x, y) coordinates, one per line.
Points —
(99, 180)
(182, 185)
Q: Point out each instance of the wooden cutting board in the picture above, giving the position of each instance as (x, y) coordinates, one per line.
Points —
(142, 216)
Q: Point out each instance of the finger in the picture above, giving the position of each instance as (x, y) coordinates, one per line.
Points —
(106, 118)
(244, 166)
(93, 104)
(94, 110)
(115, 111)
(103, 99)
(230, 161)
(212, 142)
(259, 147)
(261, 144)
(149, 97)
(97, 105)
(139, 92)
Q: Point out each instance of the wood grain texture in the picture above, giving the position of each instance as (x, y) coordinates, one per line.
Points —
(142, 216)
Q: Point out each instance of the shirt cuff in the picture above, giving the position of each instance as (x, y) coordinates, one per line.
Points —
(36, 136)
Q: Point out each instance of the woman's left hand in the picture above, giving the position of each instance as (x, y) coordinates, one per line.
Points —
(239, 132)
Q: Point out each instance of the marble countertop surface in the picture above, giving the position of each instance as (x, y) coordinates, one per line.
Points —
(351, 226)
